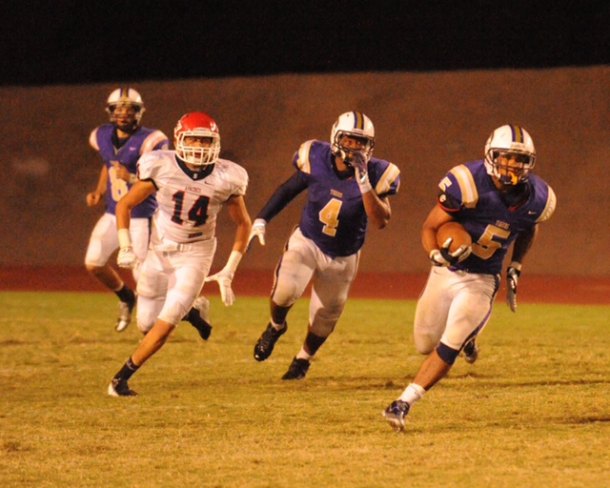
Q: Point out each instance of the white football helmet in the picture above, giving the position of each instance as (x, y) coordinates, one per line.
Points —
(353, 124)
(515, 140)
(197, 124)
(128, 98)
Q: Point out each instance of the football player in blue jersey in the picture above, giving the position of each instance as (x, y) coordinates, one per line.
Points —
(346, 190)
(499, 202)
(120, 144)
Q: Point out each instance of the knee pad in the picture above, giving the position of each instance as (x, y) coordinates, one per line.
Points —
(285, 293)
(148, 311)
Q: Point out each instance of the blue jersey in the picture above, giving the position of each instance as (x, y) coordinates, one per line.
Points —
(469, 194)
(334, 216)
(143, 140)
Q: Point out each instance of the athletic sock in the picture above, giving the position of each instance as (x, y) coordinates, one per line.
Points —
(303, 354)
(126, 371)
(126, 294)
(277, 327)
(412, 394)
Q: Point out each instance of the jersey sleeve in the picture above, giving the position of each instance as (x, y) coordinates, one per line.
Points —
(93, 139)
(149, 167)
(458, 190)
(239, 178)
(301, 159)
(155, 140)
(549, 207)
(387, 180)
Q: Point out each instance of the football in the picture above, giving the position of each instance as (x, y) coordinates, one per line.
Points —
(456, 231)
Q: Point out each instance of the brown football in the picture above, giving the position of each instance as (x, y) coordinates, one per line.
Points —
(455, 230)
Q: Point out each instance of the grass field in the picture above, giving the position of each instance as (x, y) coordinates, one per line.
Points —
(533, 411)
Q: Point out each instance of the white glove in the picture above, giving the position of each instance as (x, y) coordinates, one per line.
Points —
(442, 256)
(126, 258)
(224, 279)
(359, 163)
(258, 230)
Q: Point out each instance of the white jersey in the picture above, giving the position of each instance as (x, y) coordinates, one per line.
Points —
(188, 206)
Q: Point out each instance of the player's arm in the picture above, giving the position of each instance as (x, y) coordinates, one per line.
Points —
(236, 205)
(240, 216)
(94, 197)
(377, 209)
(523, 244)
(282, 196)
(437, 217)
(136, 195)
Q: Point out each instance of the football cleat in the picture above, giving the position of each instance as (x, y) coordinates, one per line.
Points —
(395, 414)
(471, 351)
(125, 310)
(266, 342)
(297, 369)
(120, 388)
(198, 317)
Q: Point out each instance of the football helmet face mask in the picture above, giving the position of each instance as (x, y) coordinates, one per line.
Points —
(125, 108)
(510, 154)
(200, 126)
(355, 125)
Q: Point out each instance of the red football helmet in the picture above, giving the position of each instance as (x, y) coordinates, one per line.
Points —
(197, 124)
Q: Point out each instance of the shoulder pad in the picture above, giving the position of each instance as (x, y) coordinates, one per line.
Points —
(468, 188)
(549, 208)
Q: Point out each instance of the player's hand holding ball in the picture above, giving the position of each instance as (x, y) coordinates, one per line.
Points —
(455, 245)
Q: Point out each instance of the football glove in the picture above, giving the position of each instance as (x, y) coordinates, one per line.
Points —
(258, 230)
(444, 257)
(126, 258)
(512, 279)
(225, 277)
(359, 163)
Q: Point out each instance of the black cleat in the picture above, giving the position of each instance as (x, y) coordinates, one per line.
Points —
(266, 342)
(395, 414)
(198, 317)
(120, 388)
(297, 369)
(471, 351)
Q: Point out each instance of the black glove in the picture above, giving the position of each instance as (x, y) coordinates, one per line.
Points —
(444, 257)
(512, 279)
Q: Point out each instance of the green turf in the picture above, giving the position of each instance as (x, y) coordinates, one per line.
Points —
(533, 411)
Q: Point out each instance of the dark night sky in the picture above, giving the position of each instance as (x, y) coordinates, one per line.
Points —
(72, 42)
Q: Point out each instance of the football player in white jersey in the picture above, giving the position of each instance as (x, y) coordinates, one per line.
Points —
(120, 143)
(191, 185)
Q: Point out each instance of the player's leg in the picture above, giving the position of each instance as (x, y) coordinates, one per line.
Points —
(292, 274)
(432, 309)
(102, 243)
(152, 290)
(140, 232)
(469, 311)
(331, 284)
(186, 272)
(431, 315)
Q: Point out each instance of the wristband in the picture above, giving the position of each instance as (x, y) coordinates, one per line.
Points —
(516, 265)
(124, 238)
(363, 182)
